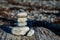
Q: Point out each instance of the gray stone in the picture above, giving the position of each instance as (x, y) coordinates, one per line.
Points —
(22, 14)
(20, 30)
(22, 24)
(22, 19)
(31, 32)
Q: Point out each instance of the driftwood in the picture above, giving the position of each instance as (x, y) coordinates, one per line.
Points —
(40, 34)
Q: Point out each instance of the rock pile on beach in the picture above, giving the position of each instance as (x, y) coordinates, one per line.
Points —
(22, 28)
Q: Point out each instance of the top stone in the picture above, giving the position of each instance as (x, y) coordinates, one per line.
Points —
(22, 14)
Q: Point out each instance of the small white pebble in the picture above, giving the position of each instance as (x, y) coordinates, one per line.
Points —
(31, 32)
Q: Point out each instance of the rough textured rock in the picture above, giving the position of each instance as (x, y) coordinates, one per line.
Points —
(20, 30)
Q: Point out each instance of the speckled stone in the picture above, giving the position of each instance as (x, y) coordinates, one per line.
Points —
(21, 19)
(21, 24)
(22, 14)
(20, 30)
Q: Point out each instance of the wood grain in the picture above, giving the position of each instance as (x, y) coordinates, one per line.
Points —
(40, 34)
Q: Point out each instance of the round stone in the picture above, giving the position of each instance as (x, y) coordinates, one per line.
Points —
(21, 19)
(22, 14)
(21, 24)
(30, 33)
(20, 30)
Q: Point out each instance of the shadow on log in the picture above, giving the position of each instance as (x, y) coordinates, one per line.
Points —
(51, 26)
(54, 28)
(6, 29)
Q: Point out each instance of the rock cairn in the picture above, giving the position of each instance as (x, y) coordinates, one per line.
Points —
(21, 23)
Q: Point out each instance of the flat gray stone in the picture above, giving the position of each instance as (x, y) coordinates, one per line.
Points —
(22, 19)
(20, 30)
(22, 14)
(22, 24)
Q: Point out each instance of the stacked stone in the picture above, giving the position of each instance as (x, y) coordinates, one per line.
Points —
(21, 19)
(22, 28)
